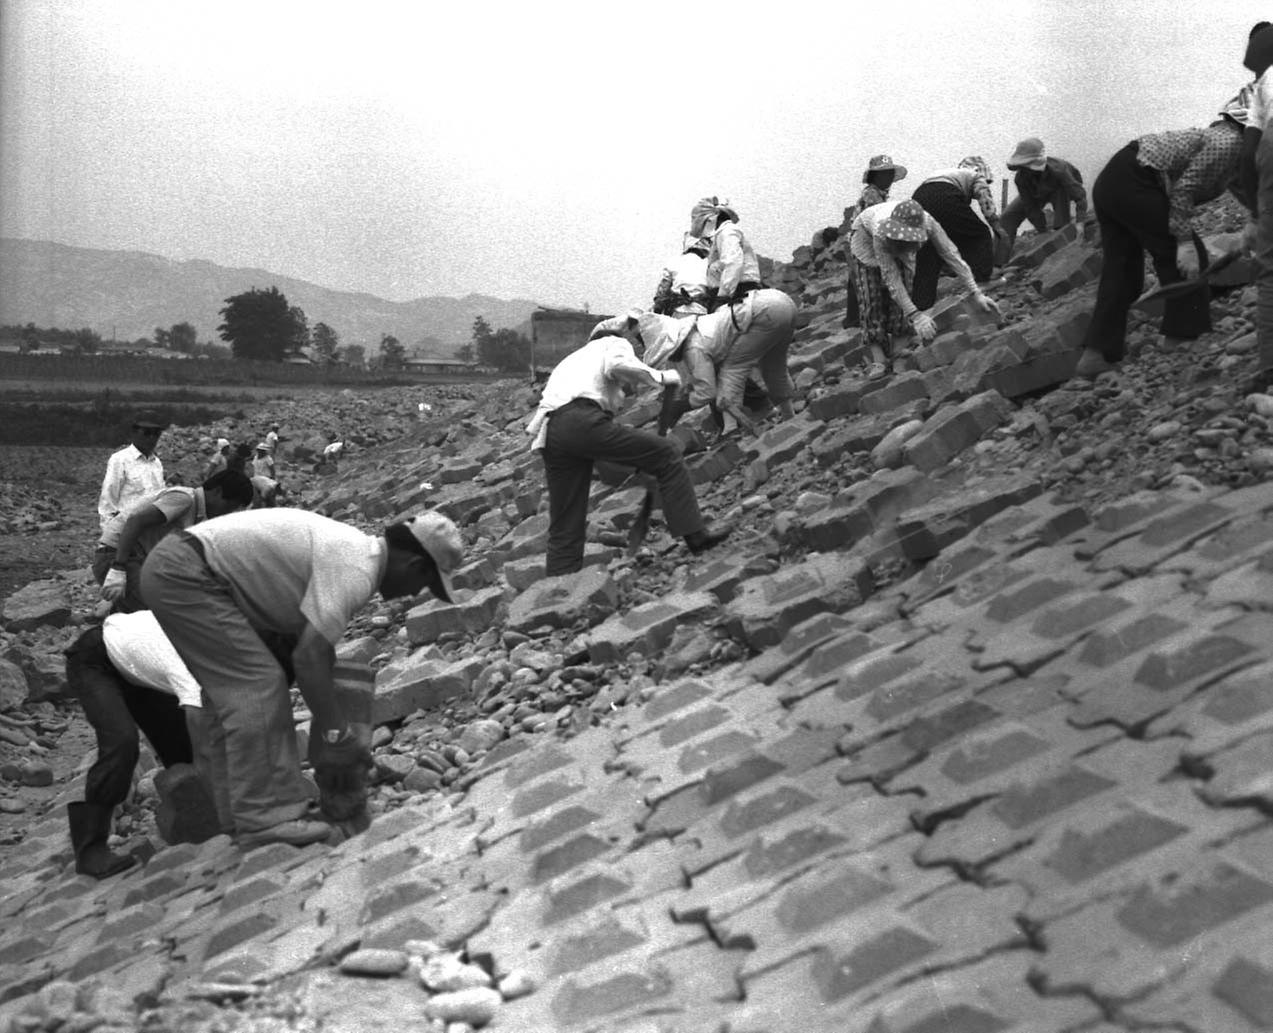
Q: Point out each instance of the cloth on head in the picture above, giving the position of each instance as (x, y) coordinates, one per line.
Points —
(440, 538)
(222, 443)
(706, 211)
(975, 161)
(1030, 154)
(663, 337)
(615, 326)
(1259, 52)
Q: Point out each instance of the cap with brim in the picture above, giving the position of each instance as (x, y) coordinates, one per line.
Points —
(222, 443)
(440, 539)
(149, 418)
(263, 446)
(905, 222)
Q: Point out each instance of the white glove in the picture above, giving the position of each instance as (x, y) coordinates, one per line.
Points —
(114, 586)
(1249, 236)
(925, 328)
(985, 302)
(670, 378)
(1187, 259)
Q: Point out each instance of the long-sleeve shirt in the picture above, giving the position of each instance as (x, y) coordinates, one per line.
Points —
(599, 371)
(130, 478)
(731, 261)
(972, 184)
(1037, 188)
(871, 195)
(1197, 165)
(871, 248)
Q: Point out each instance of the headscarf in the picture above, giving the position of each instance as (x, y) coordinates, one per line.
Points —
(1259, 52)
(979, 165)
(706, 211)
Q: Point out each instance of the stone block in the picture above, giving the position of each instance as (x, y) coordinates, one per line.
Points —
(522, 573)
(901, 389)
(560, 602)
(429, 621)
(785, 441)
(422, 686)
(719, 462)
(464, 503)
(648, 627)
(1066, 270)
(842, 400)
(865, 507)
(767, 608)
(35, 605)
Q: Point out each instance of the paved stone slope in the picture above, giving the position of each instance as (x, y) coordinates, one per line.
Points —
(932, 745)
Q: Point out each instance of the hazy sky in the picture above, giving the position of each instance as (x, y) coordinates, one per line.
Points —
(549, 150)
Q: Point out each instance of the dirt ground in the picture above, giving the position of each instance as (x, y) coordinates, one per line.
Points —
(48, 510)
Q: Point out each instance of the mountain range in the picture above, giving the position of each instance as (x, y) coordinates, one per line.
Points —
(125, 295)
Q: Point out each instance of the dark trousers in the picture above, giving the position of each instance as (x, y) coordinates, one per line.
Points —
(946, 203)
(581, 432)
(116, 708)
(1132, 208)
(1019, 211)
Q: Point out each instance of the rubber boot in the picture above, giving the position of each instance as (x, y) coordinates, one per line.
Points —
(90, 825)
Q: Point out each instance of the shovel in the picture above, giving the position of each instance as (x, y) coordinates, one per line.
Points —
(1152, 302)
(641, 525)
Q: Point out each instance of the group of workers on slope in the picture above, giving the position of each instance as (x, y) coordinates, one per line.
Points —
(1144, 201)
(218, 607)
(712, 323)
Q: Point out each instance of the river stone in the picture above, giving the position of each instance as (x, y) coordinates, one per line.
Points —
(371, 961)
(476, 1006)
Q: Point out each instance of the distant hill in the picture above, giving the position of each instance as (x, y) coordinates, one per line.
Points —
(129, 293)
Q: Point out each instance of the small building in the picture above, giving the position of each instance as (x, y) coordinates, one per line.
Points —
(556, 332)
(440, 366)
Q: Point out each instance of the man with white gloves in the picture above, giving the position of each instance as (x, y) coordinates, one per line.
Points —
(883, 246)
(128, 537)
(574, 425)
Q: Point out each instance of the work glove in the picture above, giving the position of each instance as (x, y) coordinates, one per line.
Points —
(1249, 236)
(670, 378)
(1187, 259)
(340, 770)
(986, 303)
(115, 584)
(925, 328)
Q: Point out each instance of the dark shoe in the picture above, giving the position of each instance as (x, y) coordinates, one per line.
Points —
(90, 825)
(701, 541)
(297, 832)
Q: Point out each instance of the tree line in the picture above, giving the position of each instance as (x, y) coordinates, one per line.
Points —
(262, 325)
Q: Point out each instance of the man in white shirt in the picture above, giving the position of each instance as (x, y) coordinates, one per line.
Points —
(127, 676)
(134, 472)
(574, 425)
(217, 588)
